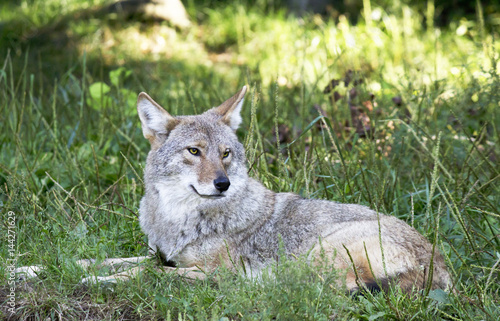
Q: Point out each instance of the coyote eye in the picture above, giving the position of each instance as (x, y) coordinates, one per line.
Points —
(194, 151)
(226, 153)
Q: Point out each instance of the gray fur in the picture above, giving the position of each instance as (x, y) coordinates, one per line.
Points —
(246, 221)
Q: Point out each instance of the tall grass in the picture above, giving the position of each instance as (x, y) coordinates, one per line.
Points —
(72, 152)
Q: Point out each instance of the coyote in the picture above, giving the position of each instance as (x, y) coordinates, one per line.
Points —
(201, 210)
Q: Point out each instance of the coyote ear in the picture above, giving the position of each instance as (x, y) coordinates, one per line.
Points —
(156, 121)
(230, 109)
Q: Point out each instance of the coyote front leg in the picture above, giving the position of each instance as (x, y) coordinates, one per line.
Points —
(124, 268)
(193, 273)
(117, 264)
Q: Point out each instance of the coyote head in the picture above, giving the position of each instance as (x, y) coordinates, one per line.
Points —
(196, 158)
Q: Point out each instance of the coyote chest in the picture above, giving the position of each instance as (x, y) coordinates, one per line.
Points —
(184, 230)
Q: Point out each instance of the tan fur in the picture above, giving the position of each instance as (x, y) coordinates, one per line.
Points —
(190, 229)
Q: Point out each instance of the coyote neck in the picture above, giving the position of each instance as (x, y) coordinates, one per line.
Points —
(173, 223)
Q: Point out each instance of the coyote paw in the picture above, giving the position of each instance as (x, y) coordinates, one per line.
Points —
(27, 272)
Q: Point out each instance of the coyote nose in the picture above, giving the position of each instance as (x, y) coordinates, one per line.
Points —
(221, 183)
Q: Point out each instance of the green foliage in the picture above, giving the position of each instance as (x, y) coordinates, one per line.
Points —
(72, 151)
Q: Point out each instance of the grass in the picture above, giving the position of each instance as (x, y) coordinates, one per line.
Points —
(72, 151)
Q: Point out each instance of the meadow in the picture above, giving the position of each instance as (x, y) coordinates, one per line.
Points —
(389, 108)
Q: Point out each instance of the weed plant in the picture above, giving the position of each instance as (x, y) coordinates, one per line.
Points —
(411, 129)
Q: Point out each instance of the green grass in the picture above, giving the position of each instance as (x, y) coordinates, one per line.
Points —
(72, 151)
